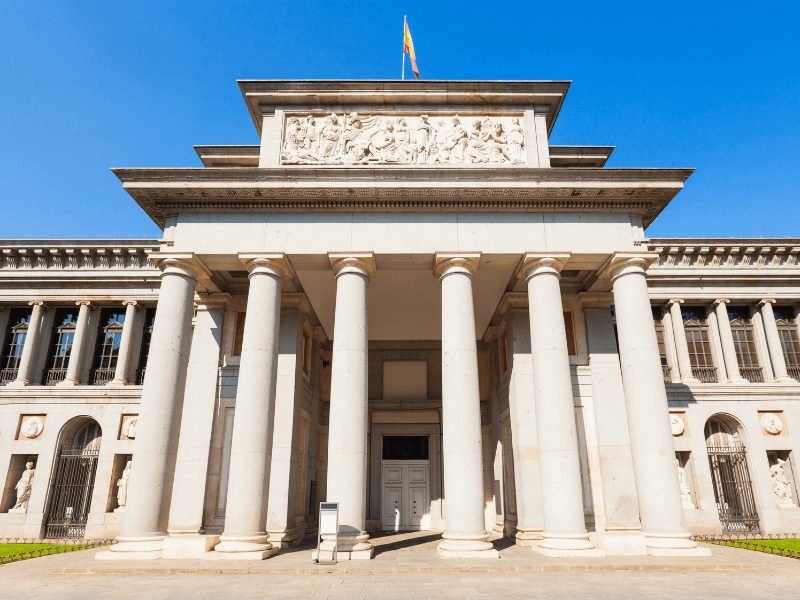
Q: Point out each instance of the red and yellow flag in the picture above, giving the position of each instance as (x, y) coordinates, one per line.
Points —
(408, 47)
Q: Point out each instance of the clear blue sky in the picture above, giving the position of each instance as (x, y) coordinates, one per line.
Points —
(85, 86)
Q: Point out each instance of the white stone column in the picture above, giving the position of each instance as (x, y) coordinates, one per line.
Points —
(774, 342)
(27, 361)
(144, 523)
(348, 421)
(185, 524)
(660, 508)
(245, 534)
(465, 534)
(78, 351)
(125, 344)
(681, 346)
(726, 339)
(562, 493)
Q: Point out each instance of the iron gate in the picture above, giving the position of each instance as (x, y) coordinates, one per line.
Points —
(732, 489)
(71, 496)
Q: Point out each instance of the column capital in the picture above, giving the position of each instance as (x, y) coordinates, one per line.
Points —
(445, 263)
(180, 263)
(88, 303)
(677, 301)
(627, 263)
(538, 263)
(722, 301)
(267, 263)
(766, 301)
(130, 303)
(37, 303)
(360, 263)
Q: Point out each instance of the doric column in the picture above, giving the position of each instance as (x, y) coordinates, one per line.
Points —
(681, 347)
(465, 533)
(197, 419)
(78, 351)
(726, 339)
(144, 524)
(562, 496)
(348, 420)
(125, 344)
(660, 508)
(245, 534)
(27, 361)
(774, 342)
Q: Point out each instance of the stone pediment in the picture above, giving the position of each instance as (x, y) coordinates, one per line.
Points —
(421, 139)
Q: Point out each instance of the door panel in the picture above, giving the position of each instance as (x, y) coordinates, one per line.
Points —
(405, 496)
(392, 508)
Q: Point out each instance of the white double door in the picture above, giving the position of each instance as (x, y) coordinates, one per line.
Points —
(406, 504)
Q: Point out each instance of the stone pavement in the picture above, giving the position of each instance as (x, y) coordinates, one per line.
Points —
(407, 567)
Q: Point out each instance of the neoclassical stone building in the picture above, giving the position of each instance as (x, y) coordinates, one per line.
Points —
(407, 301)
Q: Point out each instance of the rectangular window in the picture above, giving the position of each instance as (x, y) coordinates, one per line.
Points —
(13, 343)
(64, 325)
(696, 327)
(107, 350)
(405, 447)
(790, 339)
(744, 343)
(147, 335)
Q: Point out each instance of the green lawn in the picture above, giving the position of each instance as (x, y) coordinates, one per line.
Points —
(781, 544)
(9, 549)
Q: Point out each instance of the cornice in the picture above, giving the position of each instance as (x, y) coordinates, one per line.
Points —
(718, 256)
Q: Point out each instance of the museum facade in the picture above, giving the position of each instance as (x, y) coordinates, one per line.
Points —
(406, 301)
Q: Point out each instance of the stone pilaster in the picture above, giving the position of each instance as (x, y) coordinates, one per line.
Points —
(27, 362)
(126, 344)
(80, 346)
(681, 346)
(774, 343)
(726, 340)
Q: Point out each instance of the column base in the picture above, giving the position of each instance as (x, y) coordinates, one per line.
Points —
(188, 546)
(527, 537)
(567, 545)
(621, 543)
(65, 383)
(673, 544)
(18, 383)
(243, 547)
(133, 548)
(466, 548)
(347, 548)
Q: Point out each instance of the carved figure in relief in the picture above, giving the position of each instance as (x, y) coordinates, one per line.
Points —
(23, 489)
(404, 151)
(686, 491)
(355, 146)
(122, 486)
(423, 139)
(516, 141)
(329, 136)
(780, 484)
(457, 141)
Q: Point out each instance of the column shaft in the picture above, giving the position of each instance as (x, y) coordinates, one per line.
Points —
(681, 346)
(125, 345)
(78, 350)
(144, 523)
(726, 338)
(27, 362)
(562, 494)
(660, 508)
(774, 343)
(348, 421)
(245, 534)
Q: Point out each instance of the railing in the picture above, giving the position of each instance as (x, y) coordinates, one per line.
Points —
(667, 372)
(7, 375)
(55, 375)
(57, 546)
(102, 376)
(794, 372)
(752, 374)
(705, 374)
(757, 542)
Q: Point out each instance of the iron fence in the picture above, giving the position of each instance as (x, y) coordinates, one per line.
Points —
(752, 374)
(752, 541)
(55, 547)
(72, 493)
(102, 376)
(794, 372)
(732, 489)
(7, 375)
(667, 373)
(55, 376)
(705, 374)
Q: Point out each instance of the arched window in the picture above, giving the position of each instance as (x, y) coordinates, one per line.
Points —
(61, 345)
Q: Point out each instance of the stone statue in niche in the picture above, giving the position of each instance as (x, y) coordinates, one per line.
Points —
(122, 488)
(401, 139)
(780, 484)
(686, 491)
(23, 489)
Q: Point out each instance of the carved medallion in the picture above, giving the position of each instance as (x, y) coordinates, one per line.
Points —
(677, 424)
(331, 139)
(771, 423)
(31, 427)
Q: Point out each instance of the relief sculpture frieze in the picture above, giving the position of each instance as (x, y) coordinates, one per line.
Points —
(440, 140)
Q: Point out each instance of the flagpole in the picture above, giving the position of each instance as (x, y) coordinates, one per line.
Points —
(403, 70)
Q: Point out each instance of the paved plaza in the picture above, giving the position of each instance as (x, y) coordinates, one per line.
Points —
(407, 567)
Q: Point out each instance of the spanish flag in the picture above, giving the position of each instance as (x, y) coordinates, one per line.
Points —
(408, 46)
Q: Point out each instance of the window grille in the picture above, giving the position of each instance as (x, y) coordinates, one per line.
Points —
(790, 339)
(107, 352)
(147, 335)
(658, 320)
(61, 346)
(13, 343)
(744, 343)
(700, 356)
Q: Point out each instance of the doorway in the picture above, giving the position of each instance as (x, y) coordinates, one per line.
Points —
(405, 483)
